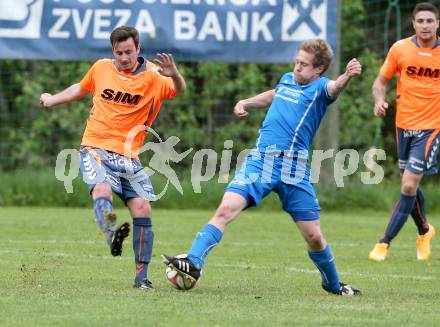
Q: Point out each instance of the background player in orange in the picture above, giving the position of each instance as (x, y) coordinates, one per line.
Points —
(127, 94)
(416, 60)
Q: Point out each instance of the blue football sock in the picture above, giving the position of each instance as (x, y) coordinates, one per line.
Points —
(101, 206)
(325, 262)
(204, 242)
(398, 217)
(143, 238)
(418, 213)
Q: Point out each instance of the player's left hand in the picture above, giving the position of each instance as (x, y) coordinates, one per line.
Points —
(240, 109)
(353, 68)
(167, 66)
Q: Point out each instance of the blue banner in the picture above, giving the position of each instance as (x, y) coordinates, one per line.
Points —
(193, 30)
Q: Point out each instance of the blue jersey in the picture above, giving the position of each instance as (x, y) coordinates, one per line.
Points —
(294, 115)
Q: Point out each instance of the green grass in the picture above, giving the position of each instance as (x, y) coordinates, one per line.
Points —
(56, 271)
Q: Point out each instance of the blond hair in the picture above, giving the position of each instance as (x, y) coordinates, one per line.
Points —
(321, 50)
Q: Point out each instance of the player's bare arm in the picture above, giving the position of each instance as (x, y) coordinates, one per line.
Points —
(73, 92)
(167, 67)
(352, 69)
(261, 100)
(379, 93)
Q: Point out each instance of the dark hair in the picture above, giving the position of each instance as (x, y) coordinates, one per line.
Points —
(122, 33)
(425, 6)
(320, 49)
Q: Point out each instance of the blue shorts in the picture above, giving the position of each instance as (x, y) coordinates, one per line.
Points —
(125, 175)
(288, 177)
(417, 150)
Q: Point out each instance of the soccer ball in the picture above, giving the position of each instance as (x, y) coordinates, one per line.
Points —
(179, 280)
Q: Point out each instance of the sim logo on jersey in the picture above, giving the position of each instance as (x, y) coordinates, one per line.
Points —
(121, 97)
(304, 19)
(22, 20)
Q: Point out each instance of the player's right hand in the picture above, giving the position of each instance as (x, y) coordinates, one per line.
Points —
(44, 99)
(380, 108)
(239, 109)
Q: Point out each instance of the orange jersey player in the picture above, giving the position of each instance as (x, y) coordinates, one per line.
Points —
(127, 94)
(122, 101)
(416, 61)
(418, 83)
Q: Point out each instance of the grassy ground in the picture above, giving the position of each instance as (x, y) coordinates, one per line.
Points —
(56, 271)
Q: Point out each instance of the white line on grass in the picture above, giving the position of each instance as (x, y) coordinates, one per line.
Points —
(162, 243)
(312, 271)
(52, 241)
(417, 277)
(61, 254)
(302, 244)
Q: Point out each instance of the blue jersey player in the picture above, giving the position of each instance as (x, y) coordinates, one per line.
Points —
(279, 162)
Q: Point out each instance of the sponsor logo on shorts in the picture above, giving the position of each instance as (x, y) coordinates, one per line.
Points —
(413, 133)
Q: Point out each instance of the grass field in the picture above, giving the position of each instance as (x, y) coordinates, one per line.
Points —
(56, 271)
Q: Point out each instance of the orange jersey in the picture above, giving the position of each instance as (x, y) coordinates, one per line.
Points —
(123, 104)
(418, 84)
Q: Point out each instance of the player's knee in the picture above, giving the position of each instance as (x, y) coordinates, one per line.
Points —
(314, 239)
(145, 209)
(102, 190)
(139, 208)
(224, 214)
(409, 188)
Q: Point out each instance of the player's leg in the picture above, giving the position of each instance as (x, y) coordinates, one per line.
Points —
(102, 178)
(106, 218)
(298, 198)
(321, 255)
(242, 192)
(137, 192)
(403, 143)
(412, 147)
(143, 238)
(211, 234)
(319, 252)
(103, 209)
(418, 213)
(208, 237)
(300, 201)
(425, 231)
(409, 186)
(399, 215)
(431, 143)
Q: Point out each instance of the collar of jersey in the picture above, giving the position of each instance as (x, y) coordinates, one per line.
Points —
(414, 40)
(142, 67)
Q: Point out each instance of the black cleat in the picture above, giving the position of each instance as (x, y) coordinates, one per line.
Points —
(120, 233)
(145, 284)
(183, 265)
(344, 289)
